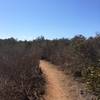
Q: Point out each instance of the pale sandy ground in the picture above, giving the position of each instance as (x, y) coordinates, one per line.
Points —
(60, 86)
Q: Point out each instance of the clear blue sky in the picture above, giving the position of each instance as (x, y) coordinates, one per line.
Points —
(27, 19)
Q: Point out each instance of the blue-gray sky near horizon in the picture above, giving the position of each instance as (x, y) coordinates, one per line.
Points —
(28, 19)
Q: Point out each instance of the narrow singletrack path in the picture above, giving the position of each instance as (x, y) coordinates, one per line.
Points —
(59, 86)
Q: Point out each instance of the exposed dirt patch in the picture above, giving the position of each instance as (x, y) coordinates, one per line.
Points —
(59, 86)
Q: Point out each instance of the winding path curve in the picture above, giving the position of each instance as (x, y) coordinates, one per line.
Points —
(59, 86)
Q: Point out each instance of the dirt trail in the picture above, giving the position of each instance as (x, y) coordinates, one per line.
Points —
(59, 86)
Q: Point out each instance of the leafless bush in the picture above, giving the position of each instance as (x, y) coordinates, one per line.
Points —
(20, 76)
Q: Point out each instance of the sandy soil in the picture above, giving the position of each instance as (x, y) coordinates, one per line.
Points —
(59, 86)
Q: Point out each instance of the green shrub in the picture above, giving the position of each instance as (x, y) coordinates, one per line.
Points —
(92, 79)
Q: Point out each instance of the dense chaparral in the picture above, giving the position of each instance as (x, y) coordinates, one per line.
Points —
(22, 79)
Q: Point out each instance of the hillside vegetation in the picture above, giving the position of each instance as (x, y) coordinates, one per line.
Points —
(20, 76)
(22, 79)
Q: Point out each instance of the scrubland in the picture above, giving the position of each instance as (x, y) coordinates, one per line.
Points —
(21, 78)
